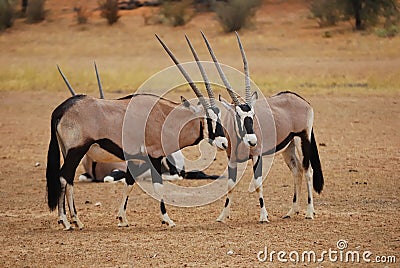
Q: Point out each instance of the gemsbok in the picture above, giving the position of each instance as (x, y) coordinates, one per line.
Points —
(86, 125)
(248, 128)
(116, 171)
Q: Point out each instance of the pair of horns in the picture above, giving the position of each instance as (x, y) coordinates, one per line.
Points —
(228, 87)
(198, 93)
(72, 90)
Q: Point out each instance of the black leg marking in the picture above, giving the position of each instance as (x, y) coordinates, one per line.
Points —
(257, 167)
(162, 207)
(171, 166)
(156, 169)
(294, 198)
(306, 149)
(126, 202)
(226, 202)
(309, 200)
(64, 209)
(94, 164)
(71, 162)
(261, 202)
(163, 210)
(73, 205)
(232, 173)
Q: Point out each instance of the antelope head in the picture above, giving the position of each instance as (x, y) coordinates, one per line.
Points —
(244, 112)
(216, 135)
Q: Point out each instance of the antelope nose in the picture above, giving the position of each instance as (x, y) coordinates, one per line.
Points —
(252, 144)
(250, 140)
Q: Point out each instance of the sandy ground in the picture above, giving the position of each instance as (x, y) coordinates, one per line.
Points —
(359, 204)
(351, 80)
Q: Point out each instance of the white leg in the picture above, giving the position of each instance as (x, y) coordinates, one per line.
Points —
(263, 210)
(232, 172)
(159, 190)
(71, 205)
(121, 216)
(294, 165)
(61, 207)
(257, 169)
(310, 202)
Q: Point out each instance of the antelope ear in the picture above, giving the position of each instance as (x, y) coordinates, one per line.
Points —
(254, 98)
(195, 109)
(185, 102)
(226, 104)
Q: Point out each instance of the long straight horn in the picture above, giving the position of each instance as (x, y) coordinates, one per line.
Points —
(203, 74)
(99, 82)
(66, 81)
(221, 73)
(246, 71)
(186, 75)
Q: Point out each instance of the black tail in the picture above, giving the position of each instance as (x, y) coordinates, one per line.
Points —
(318, 178)
(53, 168)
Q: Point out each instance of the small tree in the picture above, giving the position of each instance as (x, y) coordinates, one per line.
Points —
(234, 14)
(109, 10)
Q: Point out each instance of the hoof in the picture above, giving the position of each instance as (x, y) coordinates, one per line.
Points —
(163, 222)
(310, 216)
(286, 217)
(70, 228)
(219, 219)
(123, 224)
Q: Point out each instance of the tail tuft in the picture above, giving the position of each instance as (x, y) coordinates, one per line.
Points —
(318, 178)
(53, 169)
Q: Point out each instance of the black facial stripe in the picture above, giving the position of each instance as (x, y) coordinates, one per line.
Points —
(219, 131)
(248, 125)
(211, 134)
(245, 107)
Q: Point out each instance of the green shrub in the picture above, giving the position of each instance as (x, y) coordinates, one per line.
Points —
(109, 10)
(7, 14)
(390, 31)
(35, 11)
(176, 13)
(235, 14)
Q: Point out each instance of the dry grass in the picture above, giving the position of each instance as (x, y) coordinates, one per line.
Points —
(285, 51)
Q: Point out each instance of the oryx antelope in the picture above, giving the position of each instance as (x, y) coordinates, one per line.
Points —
(85, 125)
(115, 171)
(246, 128)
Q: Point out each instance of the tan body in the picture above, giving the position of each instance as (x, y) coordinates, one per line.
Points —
(98, 127)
